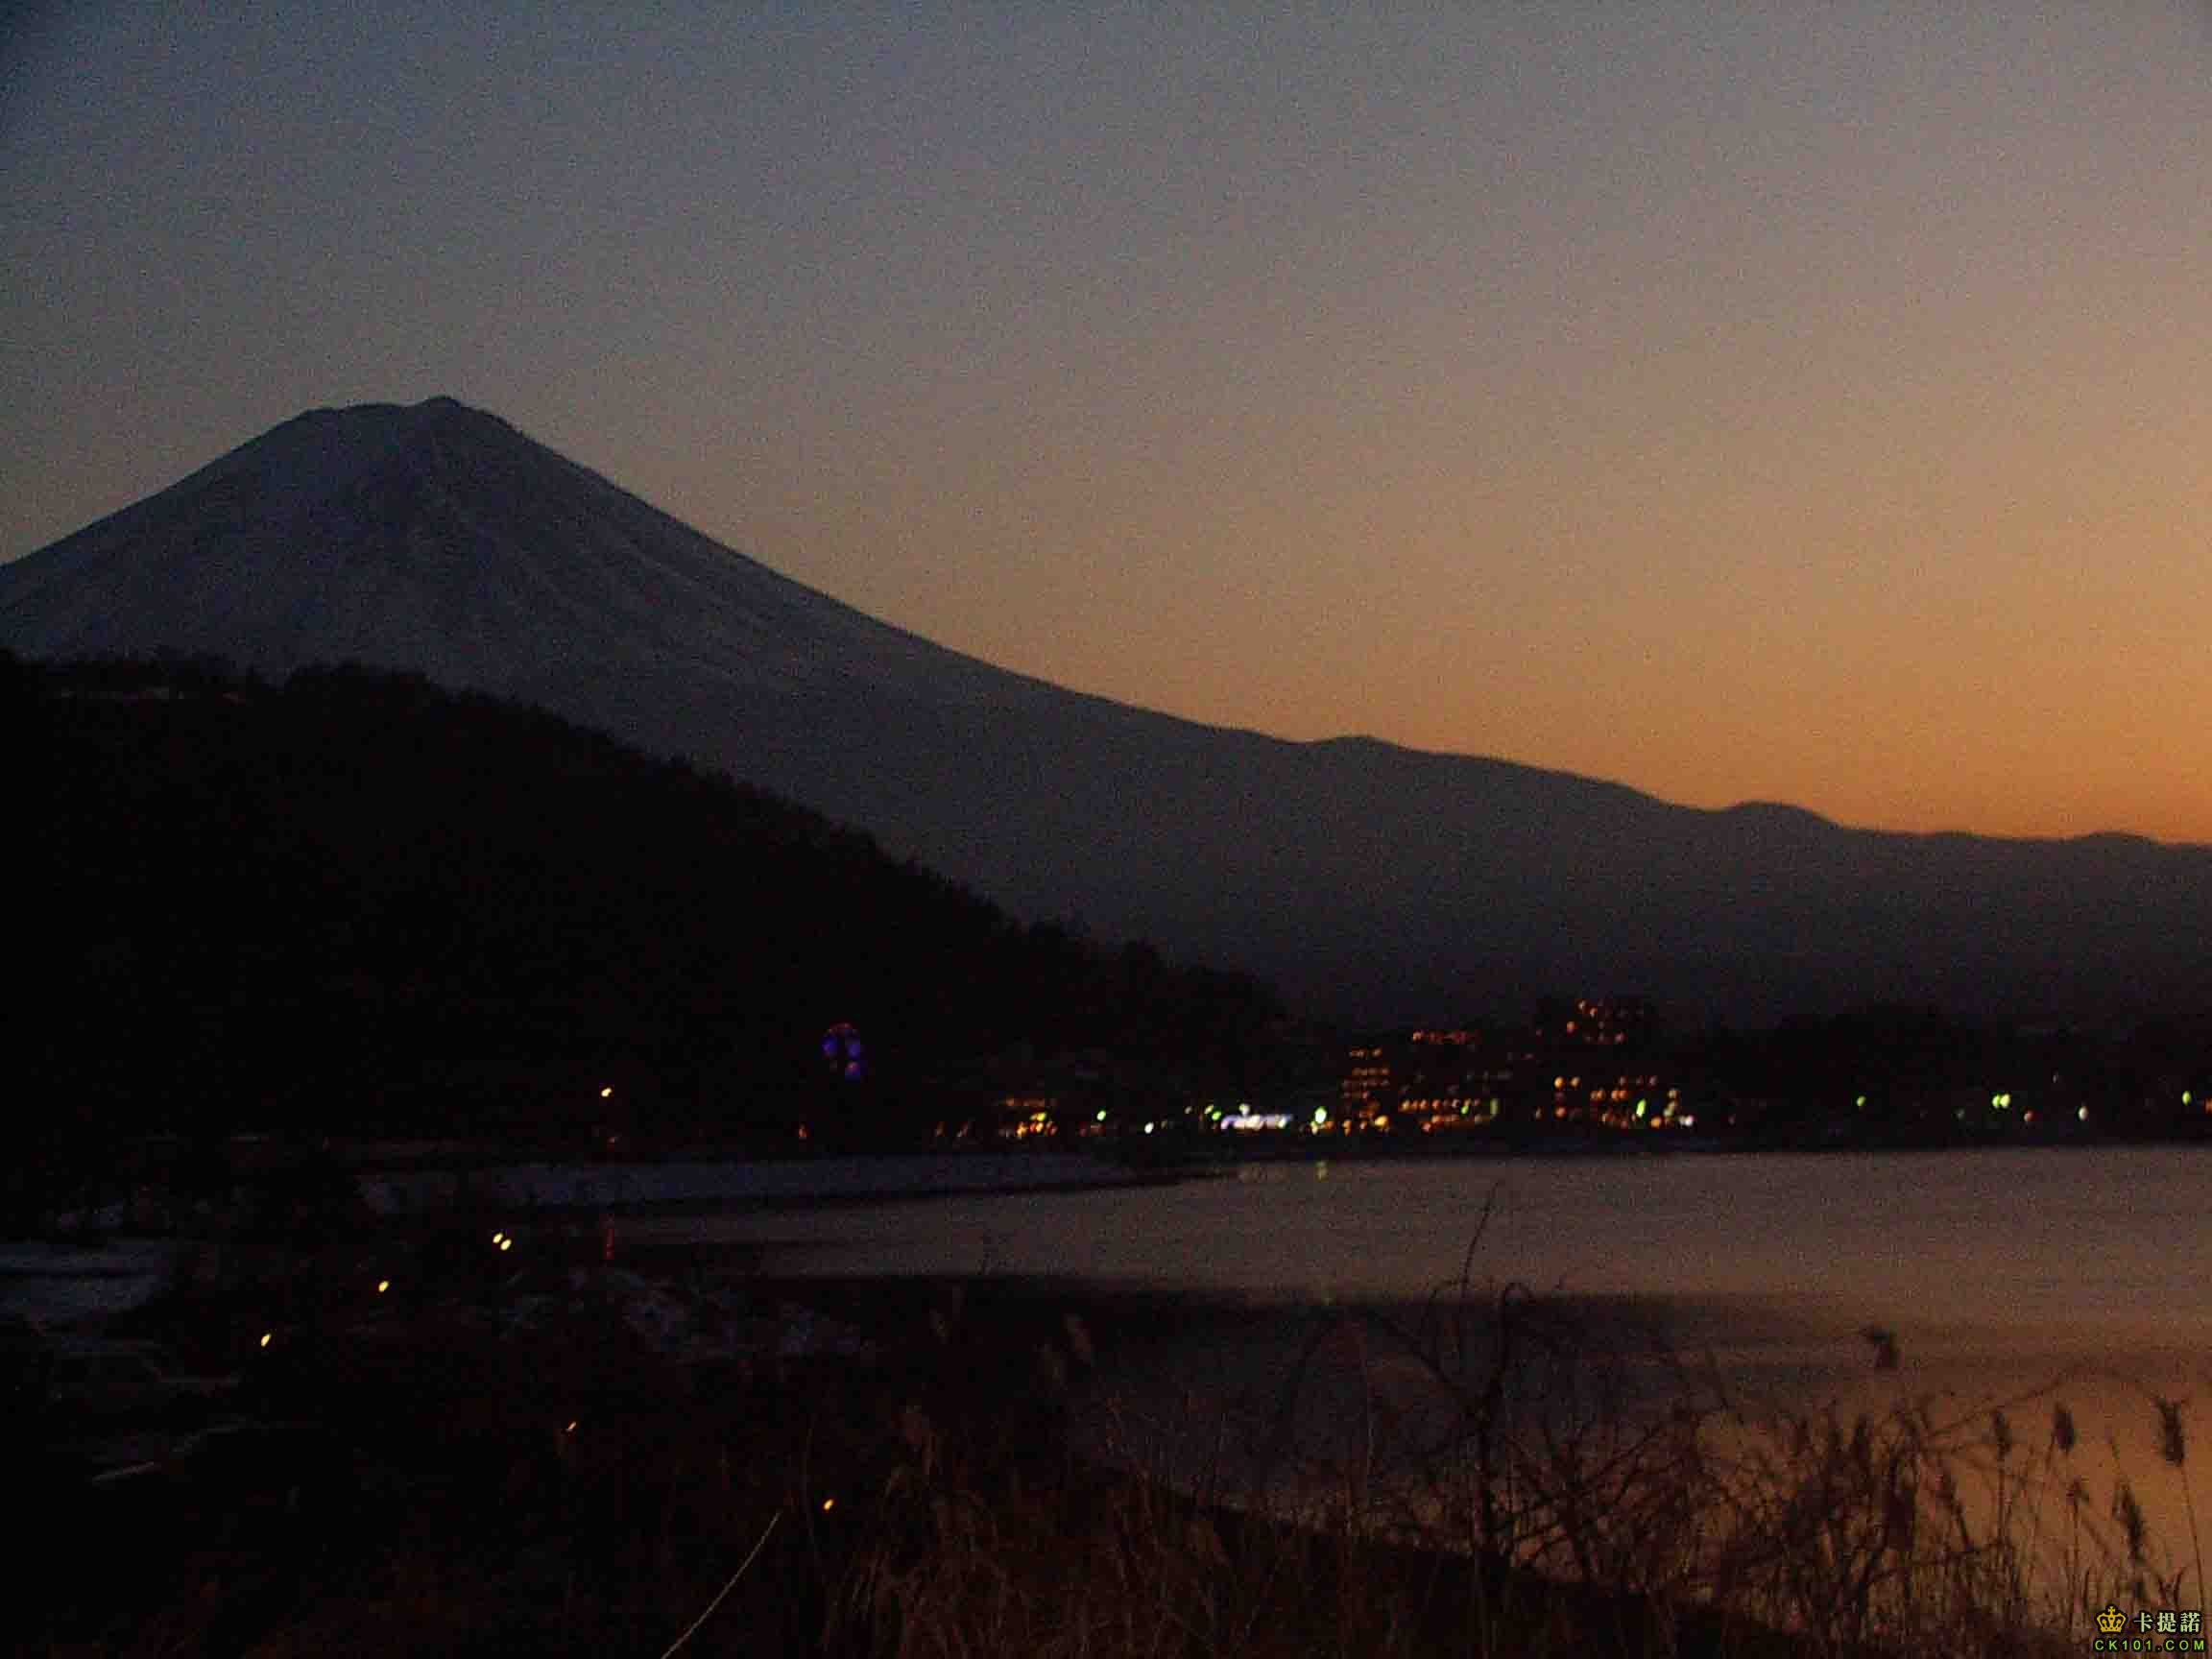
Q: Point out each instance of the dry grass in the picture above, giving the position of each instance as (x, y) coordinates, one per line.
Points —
(1495, 1481)
(1537, 1494)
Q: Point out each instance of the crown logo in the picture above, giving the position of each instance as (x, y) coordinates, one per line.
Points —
(2111, 1620)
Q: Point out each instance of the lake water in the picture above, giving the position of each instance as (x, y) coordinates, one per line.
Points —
(2020, 1278)
(2040, 1250)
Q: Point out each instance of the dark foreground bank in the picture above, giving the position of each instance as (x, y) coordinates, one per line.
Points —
(685, 1456)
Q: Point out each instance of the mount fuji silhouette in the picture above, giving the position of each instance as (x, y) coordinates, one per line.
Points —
(1368, 881)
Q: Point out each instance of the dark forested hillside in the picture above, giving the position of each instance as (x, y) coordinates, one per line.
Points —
(358, 903)
(1375, 884)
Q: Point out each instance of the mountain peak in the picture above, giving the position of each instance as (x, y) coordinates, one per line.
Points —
(347, 424)
(436, 404)
(436, 537)
(445, 411)
(302, 466)
(433, 537)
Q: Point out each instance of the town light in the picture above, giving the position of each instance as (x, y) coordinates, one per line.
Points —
(1258, 1120)
(382, 1286)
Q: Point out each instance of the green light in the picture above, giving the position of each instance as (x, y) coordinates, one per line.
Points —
(1641, 1108)
(1101, 1117)
(1320, 1116)
(1858, 1100)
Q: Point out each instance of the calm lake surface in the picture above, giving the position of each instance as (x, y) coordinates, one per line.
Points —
(2018, 1279)
(2037, 1251)
(2019, 1276)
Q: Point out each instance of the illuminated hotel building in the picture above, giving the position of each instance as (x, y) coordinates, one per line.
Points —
(1602, 1022)
(1366, 1092)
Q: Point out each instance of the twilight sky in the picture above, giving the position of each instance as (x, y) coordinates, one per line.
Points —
(1784, 401)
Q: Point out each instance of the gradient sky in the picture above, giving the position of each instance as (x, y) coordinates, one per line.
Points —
(1808, 403)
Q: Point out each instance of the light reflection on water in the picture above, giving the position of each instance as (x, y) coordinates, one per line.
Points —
(2055, 1251)
(2022, 1276)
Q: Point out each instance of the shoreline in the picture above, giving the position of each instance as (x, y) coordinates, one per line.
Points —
(998, 1394)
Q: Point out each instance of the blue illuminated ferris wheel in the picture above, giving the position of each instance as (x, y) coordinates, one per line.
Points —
(841, 1050)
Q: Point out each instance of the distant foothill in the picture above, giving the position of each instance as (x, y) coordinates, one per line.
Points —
(1372, 884)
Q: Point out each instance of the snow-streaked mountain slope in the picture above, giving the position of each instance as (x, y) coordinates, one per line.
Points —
(1367, 879)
